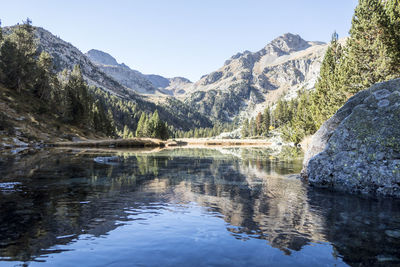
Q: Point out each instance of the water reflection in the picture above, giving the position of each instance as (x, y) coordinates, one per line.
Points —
(57, 197)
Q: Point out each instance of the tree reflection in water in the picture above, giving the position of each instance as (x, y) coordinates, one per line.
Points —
(54, 196)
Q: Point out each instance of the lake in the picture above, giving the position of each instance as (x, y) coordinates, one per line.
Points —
(183, 207)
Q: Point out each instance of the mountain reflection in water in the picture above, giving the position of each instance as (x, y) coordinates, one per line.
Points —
(232, 206)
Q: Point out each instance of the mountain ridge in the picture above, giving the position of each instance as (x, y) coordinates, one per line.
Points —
(250, 81)
(243, 86)
(135, 80)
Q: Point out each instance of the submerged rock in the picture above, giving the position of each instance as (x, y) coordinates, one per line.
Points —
(386, 258)
(107, 160)
(358, 149)
(393, 233)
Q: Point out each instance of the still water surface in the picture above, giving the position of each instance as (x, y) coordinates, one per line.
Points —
(183, 207)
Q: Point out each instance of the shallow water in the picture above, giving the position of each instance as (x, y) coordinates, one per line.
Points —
(183, 207)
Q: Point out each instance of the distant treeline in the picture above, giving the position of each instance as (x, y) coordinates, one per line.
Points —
(216, 130)
(260, 126)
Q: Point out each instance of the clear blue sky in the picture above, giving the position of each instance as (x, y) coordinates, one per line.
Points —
(180, 37)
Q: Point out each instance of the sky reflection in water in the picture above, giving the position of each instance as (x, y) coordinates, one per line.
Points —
(193, 207)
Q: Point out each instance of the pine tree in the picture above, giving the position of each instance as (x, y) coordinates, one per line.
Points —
(140, 130)
(79, 92)
(66, 97)
(245, 128)
(164, 134)
(9, 68)
(370, 48)
(99, 119)
(155, 125)
(45, 78)
(76, 101)
(1, 39)
(282, 113)
(266, 120)
(252, 127)
(259, 120)
(125, 134)
(111, 123)
(392, 8)
(329, 94)
(158, 129)
(196, 133)
(302, 123)
(24, 39)
(1, 33)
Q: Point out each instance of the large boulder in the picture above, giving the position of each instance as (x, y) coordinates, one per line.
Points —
(358, 149)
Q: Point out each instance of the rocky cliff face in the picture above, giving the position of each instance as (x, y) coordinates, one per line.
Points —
(249, 81)
(132, 79)
(176, 86)
(358, 149)
(135, 80)
(170, 86)
(101, 58)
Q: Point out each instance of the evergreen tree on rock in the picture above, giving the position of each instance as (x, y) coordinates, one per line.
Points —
(371, 49)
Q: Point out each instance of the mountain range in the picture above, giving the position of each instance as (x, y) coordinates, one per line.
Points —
(135, 80)
(248, 82)
(245, 84)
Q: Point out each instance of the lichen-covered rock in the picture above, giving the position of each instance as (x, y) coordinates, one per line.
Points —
(358, 149)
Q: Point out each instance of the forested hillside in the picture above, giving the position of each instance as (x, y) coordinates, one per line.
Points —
(29, 75)
(28, 71)
(370, 54)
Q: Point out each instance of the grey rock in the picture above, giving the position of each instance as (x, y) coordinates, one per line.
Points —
(107, 160)
(381, 94)
(213, 77)
(357, 150)
(101, 57)
(387, 258)
(176, 86)
(126, 76)
(19, 143)
(158, 80)
(393, 233)
(289, 42)
(135, 80)
(383, 103)
(281, 68)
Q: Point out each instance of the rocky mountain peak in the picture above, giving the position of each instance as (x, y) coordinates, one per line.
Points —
(180, 79)
(289, 43)
(250, 81)
(102, 58)
(135, 80)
